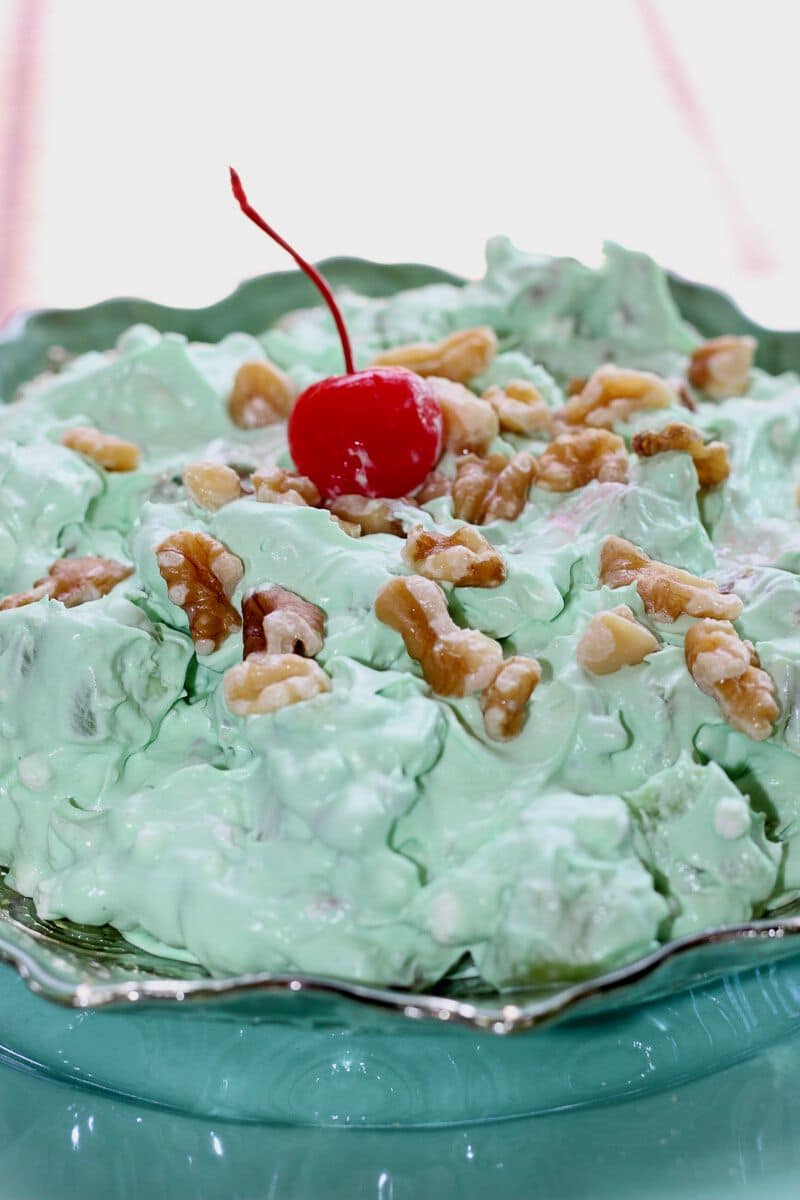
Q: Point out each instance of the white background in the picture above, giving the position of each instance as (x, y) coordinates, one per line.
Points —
(402, 131)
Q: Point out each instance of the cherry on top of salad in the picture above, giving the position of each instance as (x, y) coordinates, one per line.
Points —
(373, 432)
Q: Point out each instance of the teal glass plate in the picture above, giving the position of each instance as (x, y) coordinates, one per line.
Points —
(91, 968)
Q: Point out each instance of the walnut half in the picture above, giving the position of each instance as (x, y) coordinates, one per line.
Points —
(454, 661)
(73, 581)
(464, 558)
(262, 395)
(667, 592)
(109, 452)
(721, 366)
(263, 683)
(728, 669)
(460, 357)
(710, 459)
(613, 394)
(614, 639)
(505, 701)
(280, 622)
(492, 489)
(201, 575)
(470, 424)
(576, 458)
(520, 407)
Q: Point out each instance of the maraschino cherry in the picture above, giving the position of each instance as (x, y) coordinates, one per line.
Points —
(376, 432)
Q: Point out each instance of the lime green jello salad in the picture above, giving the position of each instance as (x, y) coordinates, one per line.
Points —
(540, 714)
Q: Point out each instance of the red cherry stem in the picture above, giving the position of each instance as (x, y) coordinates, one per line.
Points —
(311, 271)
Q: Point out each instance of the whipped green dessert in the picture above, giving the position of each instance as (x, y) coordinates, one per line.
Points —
(538, 716)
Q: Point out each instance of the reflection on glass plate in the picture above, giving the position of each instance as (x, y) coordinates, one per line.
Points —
(89, 967)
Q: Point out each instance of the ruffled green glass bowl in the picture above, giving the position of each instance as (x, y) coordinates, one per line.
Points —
(302, 1049)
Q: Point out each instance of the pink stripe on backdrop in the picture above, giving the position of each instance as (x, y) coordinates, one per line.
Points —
(754, 254)
(19, 97)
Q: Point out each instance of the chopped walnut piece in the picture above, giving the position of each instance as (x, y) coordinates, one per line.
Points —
(275, 485)
(73, 581)
(459, 357)
(721, 366)
(710, 460)
(728, 669)
(505, 702)
(470, 424)
(614, 639)
(492, 489)
(613, 394)
(262, 395)
(212, 485)
(349, 527)
(666, 592)
(454, 661)
(464, 558)
(520, 407)
(369, 515)
(280, 622)
(576, 458)
(683, 393)
(263, 683)
(433, 486)
(42, 587)
(109, 452)
(201, 576)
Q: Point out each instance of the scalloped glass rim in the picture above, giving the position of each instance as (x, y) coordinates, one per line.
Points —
(89, 967)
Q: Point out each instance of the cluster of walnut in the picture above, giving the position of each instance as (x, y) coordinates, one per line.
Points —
(666, 592)
(282, 635)
(722, 664)
(211, 485)
(489, 487)
(282, 632)
(457, 661)
(582, 447)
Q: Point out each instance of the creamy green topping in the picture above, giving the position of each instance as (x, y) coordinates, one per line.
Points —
(375, 832)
